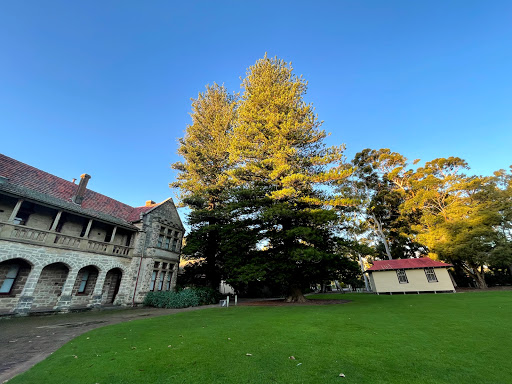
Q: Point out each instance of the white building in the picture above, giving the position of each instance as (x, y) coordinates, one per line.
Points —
(410, 275)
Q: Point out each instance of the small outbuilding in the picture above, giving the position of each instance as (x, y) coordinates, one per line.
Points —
(410, 276)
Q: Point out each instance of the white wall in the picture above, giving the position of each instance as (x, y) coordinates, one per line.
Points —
(387, 281)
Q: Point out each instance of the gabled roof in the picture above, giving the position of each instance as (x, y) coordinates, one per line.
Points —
(422, 262)
(32, 183)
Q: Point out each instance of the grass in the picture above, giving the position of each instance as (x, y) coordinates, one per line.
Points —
(449, 338)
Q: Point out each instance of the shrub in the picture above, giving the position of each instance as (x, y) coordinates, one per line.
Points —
(191, 297)
(207, 295)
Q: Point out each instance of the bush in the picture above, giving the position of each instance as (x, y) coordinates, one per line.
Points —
(190, 297)
(207, 295)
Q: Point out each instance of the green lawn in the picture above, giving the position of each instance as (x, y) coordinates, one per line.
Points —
(444, 338)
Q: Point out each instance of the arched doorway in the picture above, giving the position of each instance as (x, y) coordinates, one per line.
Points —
(83, 288)
(49, 286)
(111, 285)
(13, 276)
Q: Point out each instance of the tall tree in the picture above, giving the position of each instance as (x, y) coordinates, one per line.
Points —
(379, 184)
(278, 146)
(460, 215)
(202, 180)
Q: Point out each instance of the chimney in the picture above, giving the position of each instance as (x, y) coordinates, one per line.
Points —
(73, 181)
(80, 191)
(150, 203)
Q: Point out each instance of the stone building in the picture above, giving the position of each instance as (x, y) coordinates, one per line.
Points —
(65, 247)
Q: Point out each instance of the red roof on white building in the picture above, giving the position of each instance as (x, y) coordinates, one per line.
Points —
(422, 262)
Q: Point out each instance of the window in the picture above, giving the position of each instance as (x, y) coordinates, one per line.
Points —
(83, 283)
(21, 218)
(10, 278)
(168, 239)
(402, 277)
(153, 279)
(168, 283)
(161, 281)
(431, 275)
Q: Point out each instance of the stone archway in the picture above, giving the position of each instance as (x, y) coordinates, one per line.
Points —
(83, 288)
(13, 276)
(111, 285)
(49, 286)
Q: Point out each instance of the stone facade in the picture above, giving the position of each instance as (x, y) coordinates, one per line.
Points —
(56, 255)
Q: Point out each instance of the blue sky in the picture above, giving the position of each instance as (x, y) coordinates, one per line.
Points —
(104, 87)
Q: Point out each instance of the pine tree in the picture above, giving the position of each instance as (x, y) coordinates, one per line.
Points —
(203, 179)
(278, 147)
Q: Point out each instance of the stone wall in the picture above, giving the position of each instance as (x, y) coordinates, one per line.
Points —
(35, 296)
(42, 217)
(83, 299)
(49, 286)
(8, 300)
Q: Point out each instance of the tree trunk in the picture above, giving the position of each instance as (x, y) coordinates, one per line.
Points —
(382, 237)
(480, 279)
(295, 296)
(212, 271)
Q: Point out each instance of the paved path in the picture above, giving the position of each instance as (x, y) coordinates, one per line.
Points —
(25, 341)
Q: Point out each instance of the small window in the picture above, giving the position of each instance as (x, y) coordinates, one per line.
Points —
(167, 242)
(431, 275)
(83, 283)
(160, 241)
(153, 279)
(10, 278)
(175, 245)
(402, 276)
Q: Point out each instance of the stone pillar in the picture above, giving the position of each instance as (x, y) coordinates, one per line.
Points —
(65, 298)
(88, 229)
(97, 294)
(174, 276)
(15, 210)
(56, 221)
(113, 234)
(27, 295)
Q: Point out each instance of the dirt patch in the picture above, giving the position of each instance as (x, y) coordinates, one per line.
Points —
(282, 303)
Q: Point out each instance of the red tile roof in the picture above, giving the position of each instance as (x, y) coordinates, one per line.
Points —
(422, 262)
(53, 189)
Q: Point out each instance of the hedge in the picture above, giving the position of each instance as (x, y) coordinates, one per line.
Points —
(189, 297)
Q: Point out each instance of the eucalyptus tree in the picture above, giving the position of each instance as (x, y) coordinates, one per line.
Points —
(380, 185)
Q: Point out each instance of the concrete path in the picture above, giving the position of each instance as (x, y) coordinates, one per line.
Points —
(25, 341)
